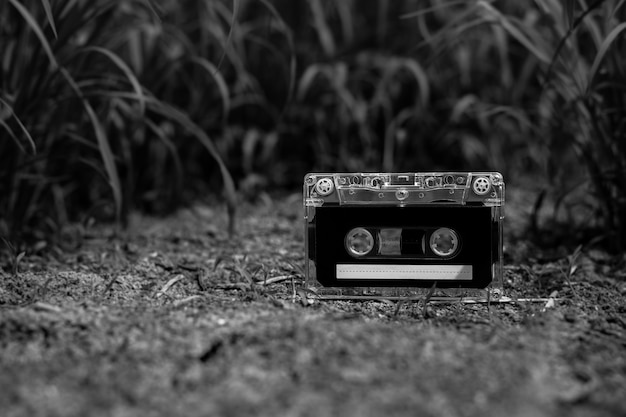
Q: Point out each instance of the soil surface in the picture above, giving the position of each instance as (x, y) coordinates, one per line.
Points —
(174, 317)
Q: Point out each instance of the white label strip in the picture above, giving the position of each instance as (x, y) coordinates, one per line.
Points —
(416, 272)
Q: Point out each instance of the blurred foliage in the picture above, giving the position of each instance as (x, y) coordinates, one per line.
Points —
(106, 106)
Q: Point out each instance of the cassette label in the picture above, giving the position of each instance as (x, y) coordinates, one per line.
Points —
(404, 272)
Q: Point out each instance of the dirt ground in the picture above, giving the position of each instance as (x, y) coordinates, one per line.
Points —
(174, 317)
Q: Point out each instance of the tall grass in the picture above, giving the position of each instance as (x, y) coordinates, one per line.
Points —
(109, 106)
(585, 89)
(411, 85)
(534, 89)
(94, 107)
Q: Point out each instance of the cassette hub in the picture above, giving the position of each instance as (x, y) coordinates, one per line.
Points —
(359, 242)
(444, 242)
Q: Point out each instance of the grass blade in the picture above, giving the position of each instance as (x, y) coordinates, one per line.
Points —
(308, 77)
(30, 20)
(8, 129)
(290, 42)
(126, 70)
(569, 12)
(154, 8)
(31, 142)
(617, 7)
(181, 118)
(108, 158)
(320, 24)
(563, 39)
(604, 48)
(103, 145)
(169, 145)
(213, 71)
(514, 31)
(437, 6)
(230, 32)
(420, 76)
(48, 10)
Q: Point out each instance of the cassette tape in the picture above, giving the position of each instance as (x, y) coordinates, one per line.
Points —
(402, 235)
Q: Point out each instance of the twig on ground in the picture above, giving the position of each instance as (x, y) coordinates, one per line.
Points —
(235, 286)
(274, 280)
(198, 278)
(187, 300)
(399, 305)
(169, 285)
(46, 307)
(108, 286)
(189, 268)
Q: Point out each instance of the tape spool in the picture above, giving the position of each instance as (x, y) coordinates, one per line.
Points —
(444, 242)
(359, 242)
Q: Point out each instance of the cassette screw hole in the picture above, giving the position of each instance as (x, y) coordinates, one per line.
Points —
(444, 242)
(481, 186)
(359, 242)
(324, 186)
(402, 194)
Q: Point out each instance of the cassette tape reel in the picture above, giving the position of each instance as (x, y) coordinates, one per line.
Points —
(387, 235)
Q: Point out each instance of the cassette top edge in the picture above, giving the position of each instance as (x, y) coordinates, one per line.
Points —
(408, 188)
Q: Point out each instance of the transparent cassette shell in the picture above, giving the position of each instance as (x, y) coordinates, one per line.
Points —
(414, 190)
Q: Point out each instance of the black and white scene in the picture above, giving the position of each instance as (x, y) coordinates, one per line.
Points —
(312, 208)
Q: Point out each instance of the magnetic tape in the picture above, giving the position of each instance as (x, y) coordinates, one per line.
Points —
(392, 235)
